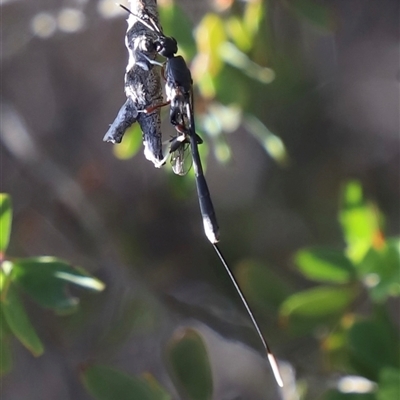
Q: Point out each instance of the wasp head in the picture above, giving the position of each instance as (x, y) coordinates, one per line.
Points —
(167, 47)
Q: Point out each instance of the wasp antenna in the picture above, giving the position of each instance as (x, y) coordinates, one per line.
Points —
(271, 357)
(153, 26)
(125, 8)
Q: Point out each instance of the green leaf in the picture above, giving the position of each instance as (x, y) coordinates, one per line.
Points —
(222, 151)
(272, 144)
(233, 56)
(190, 365)
(373, 345)
(380, 270)
(242, 31)
(106, 383)
(336, 395)
(254, 13)
(130, 144)
(5, 278)
(5, 221)
(18, 322)
(389, 384)
(159, 392)
(325, 265)
(46, 279)
(222, 118)
(318, 302)
(210, 35)
(238, 32)
(360, 222)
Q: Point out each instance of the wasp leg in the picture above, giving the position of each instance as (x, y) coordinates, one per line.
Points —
(153, 62)
(150, 109)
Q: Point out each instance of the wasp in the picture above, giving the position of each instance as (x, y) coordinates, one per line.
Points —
(179, 93)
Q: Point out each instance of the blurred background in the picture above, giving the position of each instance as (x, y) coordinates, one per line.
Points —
(294, 98)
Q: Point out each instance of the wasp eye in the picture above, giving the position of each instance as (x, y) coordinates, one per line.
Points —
(173, 45)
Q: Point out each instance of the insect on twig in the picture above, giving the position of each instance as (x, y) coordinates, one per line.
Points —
(142, 87)
(179, 92)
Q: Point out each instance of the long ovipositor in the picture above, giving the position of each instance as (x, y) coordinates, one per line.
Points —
(180, 95)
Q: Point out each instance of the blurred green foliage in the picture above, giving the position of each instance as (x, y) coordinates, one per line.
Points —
(229, 59)
(131, 144)
(5, 221)
(353, 343)
(190, 366)
(44, 279)
(367, 271)
(106, 383)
